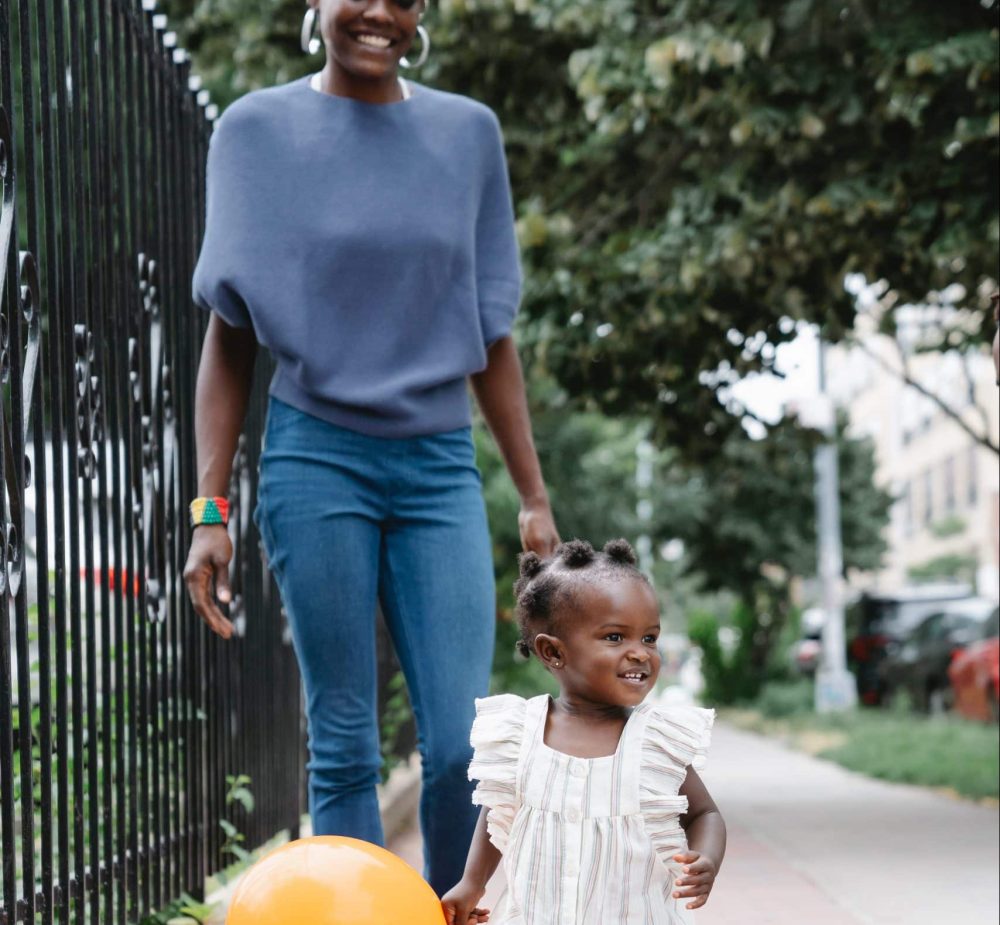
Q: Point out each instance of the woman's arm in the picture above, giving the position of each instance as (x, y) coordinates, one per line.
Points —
(500, 392)
(460, 902)
(706, 837)
(225, 375)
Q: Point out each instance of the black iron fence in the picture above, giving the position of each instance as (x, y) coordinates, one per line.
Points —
(127, 733)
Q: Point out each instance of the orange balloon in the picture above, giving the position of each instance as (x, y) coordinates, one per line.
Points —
(330, 880)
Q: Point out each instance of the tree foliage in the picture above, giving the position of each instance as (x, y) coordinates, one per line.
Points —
(691, 178)
(746, 518)
(692, 174)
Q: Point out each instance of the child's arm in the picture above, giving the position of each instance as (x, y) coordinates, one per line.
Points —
(459, 903)
(706, 836)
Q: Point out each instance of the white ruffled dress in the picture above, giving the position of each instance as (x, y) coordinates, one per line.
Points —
(586, 841)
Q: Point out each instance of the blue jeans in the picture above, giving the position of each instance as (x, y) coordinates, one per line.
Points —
(348, 520)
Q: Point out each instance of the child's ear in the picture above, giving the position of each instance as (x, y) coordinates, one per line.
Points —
(549, 651)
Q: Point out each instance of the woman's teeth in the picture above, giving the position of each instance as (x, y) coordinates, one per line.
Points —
(375, 41)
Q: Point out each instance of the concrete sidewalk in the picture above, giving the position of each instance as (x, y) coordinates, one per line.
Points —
(815, 843)
(812, 844)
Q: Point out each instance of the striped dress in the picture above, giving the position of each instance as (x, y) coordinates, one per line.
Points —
(586, 841)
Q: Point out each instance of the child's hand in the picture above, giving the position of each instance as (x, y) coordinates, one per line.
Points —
(459, 905)
(696, 879)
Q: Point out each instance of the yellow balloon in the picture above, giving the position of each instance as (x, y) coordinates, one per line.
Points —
(330, 880)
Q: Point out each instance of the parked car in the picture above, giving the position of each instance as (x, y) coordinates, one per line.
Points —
(876, 619)
(975, 675)
(807, 651)
(917, 666)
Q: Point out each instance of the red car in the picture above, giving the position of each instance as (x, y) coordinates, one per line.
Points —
(975, 675)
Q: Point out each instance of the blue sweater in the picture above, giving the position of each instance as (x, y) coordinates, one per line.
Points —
(371, 248)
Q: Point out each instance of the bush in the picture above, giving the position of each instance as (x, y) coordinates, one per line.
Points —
(779, 699)
(950, 752)
(729, 676)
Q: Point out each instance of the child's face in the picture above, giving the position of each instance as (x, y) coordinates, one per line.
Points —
(609, 652)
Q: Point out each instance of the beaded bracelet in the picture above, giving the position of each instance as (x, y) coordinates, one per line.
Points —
(209, 511)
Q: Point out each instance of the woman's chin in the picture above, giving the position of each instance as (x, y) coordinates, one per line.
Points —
(371, 67)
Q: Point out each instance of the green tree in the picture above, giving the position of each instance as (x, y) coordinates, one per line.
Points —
(746, 518)
(690, 178)
(690, 175)
(753, 528)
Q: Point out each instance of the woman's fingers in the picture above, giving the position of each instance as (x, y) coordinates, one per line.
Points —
(199, 588)
(208, 561)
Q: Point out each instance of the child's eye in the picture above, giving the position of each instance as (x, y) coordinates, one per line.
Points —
(650, 640)
(614, 637)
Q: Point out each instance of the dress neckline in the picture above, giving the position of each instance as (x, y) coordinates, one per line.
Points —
(546, 702)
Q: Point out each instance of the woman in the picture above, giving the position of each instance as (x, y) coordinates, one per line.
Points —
(361, 228)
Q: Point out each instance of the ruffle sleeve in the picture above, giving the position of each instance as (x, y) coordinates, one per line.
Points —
(675, 738)
(496, 739)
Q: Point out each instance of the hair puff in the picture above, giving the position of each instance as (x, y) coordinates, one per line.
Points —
(529, 564)
(576, 554)
(620, 551)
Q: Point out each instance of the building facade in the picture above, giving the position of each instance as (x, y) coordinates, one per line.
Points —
(945, 523)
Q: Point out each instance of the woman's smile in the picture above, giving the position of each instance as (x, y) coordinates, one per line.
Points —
(373, 40)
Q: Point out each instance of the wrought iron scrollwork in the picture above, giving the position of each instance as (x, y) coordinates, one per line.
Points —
(240, 501)
(89, 431)
(152, 396)
(15, 464)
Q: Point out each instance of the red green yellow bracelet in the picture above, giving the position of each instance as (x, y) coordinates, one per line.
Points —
(209, 511)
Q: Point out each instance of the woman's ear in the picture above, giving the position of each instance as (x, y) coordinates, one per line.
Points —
(549, 651)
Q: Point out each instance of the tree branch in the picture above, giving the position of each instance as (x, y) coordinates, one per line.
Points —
(904, 375)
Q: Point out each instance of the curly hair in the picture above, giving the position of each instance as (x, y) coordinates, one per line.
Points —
(547, 588)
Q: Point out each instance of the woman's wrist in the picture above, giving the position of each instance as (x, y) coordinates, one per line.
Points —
(209, 511)
(537, 500)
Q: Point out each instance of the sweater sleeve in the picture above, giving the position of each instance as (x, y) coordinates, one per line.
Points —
(213, 288)
(498, 266)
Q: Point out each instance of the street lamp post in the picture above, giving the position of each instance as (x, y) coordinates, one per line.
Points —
(836, 687)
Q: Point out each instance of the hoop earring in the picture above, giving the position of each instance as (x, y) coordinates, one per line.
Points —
(309, 41)
(425, 50)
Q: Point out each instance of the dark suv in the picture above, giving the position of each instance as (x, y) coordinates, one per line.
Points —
(918, 666)
(877, 619)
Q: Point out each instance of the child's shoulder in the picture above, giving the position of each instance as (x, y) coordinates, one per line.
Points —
(500, 703)
(499, 721)
(678, 734)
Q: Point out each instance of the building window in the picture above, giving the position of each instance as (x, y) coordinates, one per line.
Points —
(949, 485)
(928, 496)
(906, 506)
(972, 488)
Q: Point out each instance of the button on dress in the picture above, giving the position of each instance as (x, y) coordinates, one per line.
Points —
(586, 841)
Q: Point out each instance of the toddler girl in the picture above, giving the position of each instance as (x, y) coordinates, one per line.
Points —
(591, 800)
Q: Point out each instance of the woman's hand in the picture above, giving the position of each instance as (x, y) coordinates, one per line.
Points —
(697, 878)
(538, 529)
(459, 904)
(208, 561)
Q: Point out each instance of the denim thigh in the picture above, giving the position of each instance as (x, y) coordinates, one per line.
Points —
(347, 518)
